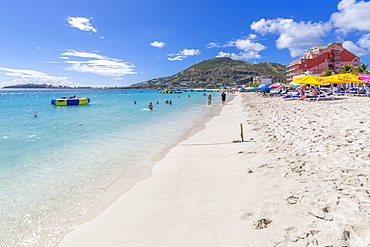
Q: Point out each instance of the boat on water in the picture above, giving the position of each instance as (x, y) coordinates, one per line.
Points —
(170, 91)
(70, 101)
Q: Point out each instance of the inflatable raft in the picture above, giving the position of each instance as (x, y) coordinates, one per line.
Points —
(171, 91)
(70, 101)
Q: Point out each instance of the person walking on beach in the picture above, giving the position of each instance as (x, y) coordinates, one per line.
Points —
(367, 89)
(223, 97)
(302, 92)
(150, 106)
(209, 99)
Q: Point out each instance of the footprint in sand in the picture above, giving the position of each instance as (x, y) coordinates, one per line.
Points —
(262, 223)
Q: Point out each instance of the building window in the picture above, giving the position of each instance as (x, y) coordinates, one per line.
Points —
(337, 58)
(355, 65)
(337, 67)
(303, 61)
(337, 52)
(329, 60)
(337, 62)
(304, 65)
(355, 60)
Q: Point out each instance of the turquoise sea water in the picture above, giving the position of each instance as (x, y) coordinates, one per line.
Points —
(54, 165)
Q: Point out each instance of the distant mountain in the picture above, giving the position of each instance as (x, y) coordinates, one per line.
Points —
(219, 71)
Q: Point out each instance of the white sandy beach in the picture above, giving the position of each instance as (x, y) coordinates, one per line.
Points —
(299, 179)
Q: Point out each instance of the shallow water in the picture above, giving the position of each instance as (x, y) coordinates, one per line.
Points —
(54, 165)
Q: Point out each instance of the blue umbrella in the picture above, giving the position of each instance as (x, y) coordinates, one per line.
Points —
(266, 86)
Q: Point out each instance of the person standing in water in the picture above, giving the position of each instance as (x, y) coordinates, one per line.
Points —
(223, 97)
(150, 106)
(209, 99)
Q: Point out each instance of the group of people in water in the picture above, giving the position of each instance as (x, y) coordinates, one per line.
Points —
(150, 106)
(209, 100)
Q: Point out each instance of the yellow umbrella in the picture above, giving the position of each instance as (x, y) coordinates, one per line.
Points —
(343, 78)
(310, 79)
(349, 78)
(333, 79)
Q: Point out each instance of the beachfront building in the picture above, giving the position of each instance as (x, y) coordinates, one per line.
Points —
(322, 57)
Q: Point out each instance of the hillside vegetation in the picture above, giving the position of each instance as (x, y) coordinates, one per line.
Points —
(220, 71)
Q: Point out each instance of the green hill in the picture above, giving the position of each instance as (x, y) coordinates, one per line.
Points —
(219, 71)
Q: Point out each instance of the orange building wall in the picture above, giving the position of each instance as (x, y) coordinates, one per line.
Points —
(318, 60)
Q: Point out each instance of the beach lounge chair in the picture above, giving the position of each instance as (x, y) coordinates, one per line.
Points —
(367, 89)
(280, 93)
(322, 96)
(292, 96)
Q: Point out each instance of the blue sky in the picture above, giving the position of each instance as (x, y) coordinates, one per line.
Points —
(121, 42)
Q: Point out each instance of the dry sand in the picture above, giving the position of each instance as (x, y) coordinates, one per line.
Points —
(301, 178)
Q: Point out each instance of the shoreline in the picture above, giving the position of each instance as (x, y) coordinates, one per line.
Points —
(301, 178)
(182, 144)
(137, 173)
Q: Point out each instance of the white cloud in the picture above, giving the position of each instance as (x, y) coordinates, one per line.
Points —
(248, 45)
(158, 44)
(190, 52)
(212, 45)
(364, 41)
(82, 54)
(183, 54)
(249, 48)
(355, 49)
(91, 62)
(33, 76)
(240, 56)
(352, 16)
(294, 36)
(81, 23)
(361, 48)
(177, 58)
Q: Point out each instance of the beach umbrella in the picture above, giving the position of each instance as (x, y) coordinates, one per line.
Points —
(333, 79)
(266, 86)
(310, 79)
(344, 78)
(275, 85)
(364, 77)
(349, 78)
(293, 84)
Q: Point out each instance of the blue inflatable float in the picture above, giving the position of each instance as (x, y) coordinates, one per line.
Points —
(70, 101)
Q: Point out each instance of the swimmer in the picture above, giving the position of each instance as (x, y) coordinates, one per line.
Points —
(150, 106)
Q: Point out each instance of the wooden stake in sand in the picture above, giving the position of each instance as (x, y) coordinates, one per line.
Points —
(241, 132)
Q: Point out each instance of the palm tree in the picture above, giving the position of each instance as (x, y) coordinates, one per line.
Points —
(347, 69)
(362, 69)
(327, 73)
